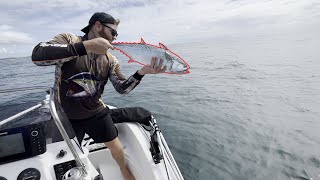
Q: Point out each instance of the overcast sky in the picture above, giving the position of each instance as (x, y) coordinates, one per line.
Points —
(24, 23)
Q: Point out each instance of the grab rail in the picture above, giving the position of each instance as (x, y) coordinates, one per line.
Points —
(27, 110)
(20, 114)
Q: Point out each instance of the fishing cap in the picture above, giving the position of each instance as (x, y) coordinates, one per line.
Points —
(101, 17)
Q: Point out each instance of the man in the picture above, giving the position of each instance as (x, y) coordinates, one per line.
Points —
(83, 67)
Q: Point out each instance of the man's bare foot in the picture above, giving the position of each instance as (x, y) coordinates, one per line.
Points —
(127, 174)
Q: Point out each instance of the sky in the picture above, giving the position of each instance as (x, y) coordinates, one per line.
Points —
(23, 24)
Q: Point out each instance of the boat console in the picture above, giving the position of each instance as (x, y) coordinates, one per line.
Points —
(32, 148)
(21, 143)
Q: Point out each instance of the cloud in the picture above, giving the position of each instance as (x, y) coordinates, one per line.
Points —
(5, 27)
(176, 21)
(3, 51)
(168, 21)
(9, 36)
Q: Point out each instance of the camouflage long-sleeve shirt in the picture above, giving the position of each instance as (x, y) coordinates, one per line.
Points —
(80, 77)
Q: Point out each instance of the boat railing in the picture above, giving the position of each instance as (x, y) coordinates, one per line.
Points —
(10, 119)
(25, 112)
(159, 147)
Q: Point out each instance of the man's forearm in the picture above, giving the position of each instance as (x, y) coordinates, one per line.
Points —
(47, 53)
(125, 86)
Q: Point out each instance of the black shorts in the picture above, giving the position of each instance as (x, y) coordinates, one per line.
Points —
(101, 127)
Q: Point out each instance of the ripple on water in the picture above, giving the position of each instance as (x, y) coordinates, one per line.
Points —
(315, 162)
(286, 155)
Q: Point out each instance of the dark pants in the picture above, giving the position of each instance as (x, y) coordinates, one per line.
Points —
(101, 126)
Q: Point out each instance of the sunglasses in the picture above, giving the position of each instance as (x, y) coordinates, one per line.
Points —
(114, 32)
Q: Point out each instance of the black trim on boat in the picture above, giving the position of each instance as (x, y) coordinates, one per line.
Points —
(98, 149)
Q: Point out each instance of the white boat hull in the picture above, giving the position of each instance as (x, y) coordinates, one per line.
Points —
(96, 158)
(136, 144)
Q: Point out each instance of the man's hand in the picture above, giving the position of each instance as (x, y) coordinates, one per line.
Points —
(97, 45)
(153, 68)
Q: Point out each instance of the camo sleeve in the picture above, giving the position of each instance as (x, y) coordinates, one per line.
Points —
(118, 80)
(60, 49)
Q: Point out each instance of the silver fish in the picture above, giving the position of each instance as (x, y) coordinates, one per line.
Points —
(142, 53)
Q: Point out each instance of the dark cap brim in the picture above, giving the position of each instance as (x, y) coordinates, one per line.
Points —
(86, 29)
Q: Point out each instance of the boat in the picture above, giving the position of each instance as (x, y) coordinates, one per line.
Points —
(40, 144)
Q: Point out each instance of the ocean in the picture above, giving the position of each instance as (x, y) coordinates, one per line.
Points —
(249, 109)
